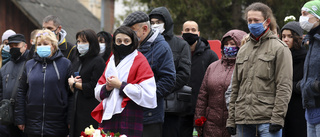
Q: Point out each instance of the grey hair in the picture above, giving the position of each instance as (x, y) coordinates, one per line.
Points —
(55, 19)
(145, 23)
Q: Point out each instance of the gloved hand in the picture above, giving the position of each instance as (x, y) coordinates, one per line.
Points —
(274, 128)
(231, 130)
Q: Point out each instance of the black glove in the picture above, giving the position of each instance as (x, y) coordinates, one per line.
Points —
(274, 128)
(231, 130)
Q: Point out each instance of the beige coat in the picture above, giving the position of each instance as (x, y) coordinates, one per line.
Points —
(262, 82)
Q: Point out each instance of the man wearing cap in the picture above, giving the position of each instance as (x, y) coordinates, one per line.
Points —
(161, 20)
(9, 73)
(68, 50)
(310, 83)
(5, 55)
(159, 55)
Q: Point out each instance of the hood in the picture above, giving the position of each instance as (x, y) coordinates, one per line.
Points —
(63, 35)
(236, 35)
(55, 56)
(168, 22)
(201, 46)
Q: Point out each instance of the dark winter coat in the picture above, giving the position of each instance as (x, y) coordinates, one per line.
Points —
(9, 76)
(8, 82)
(43, 99)
(202, 57)
(159, 56)
(310, 82)
(295, 122)
(180, 48)
(84, 100)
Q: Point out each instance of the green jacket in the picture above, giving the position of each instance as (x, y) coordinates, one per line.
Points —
(262, 82)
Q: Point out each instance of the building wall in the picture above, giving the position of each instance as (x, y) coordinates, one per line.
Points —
(94, 6)
(12, 18)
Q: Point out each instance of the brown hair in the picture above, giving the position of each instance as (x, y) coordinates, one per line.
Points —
(266, 13)
(297, 40)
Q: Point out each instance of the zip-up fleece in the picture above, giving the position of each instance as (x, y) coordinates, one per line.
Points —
(43, 99)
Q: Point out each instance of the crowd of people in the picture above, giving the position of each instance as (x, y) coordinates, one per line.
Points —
(266, 83)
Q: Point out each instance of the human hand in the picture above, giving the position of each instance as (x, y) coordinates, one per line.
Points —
(114, 82)
(21, 127)
(274, 128)
(78, 79)
(231, 130)
(71, 81)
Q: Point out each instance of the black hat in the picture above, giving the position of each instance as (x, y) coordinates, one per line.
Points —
(294, 26)
(134, 18)
(17, 38)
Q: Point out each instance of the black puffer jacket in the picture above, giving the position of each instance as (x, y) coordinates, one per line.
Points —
(202, 57)
(43, 99)
(180, 48)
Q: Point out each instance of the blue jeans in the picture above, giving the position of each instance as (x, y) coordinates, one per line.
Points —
(313, 130)
(256, 130)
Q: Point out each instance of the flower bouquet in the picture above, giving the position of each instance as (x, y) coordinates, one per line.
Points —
(289, 18)
(91, 132)
(199, 123)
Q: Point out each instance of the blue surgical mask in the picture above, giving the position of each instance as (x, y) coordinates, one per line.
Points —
(6, 48)
(44, 51)
(256, 29)
(83, 48)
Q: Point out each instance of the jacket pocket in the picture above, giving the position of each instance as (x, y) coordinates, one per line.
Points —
(264, 105)
(265, 67)
(240, 67)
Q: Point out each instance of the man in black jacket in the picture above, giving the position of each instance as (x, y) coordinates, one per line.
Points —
(161, 20)
(202, 57)
(68, 50)
(9, 73)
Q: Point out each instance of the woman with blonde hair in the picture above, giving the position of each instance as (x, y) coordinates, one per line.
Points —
(43, 98)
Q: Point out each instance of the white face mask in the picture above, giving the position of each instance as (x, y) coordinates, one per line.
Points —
(6, 48)
(159, 27)
(305, 24)
(102, 47)
(83, 48)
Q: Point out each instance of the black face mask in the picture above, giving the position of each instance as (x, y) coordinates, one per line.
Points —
(190, 38)
(15, 53)
(122, 49)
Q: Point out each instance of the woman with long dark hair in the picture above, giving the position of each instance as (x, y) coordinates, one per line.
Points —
(295, 123)
(105, 41)
(86, 74)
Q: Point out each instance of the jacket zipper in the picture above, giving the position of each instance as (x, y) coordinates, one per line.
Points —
(43, 95)
(7, 78)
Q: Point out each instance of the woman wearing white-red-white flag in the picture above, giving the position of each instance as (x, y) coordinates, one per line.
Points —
(126, 86)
